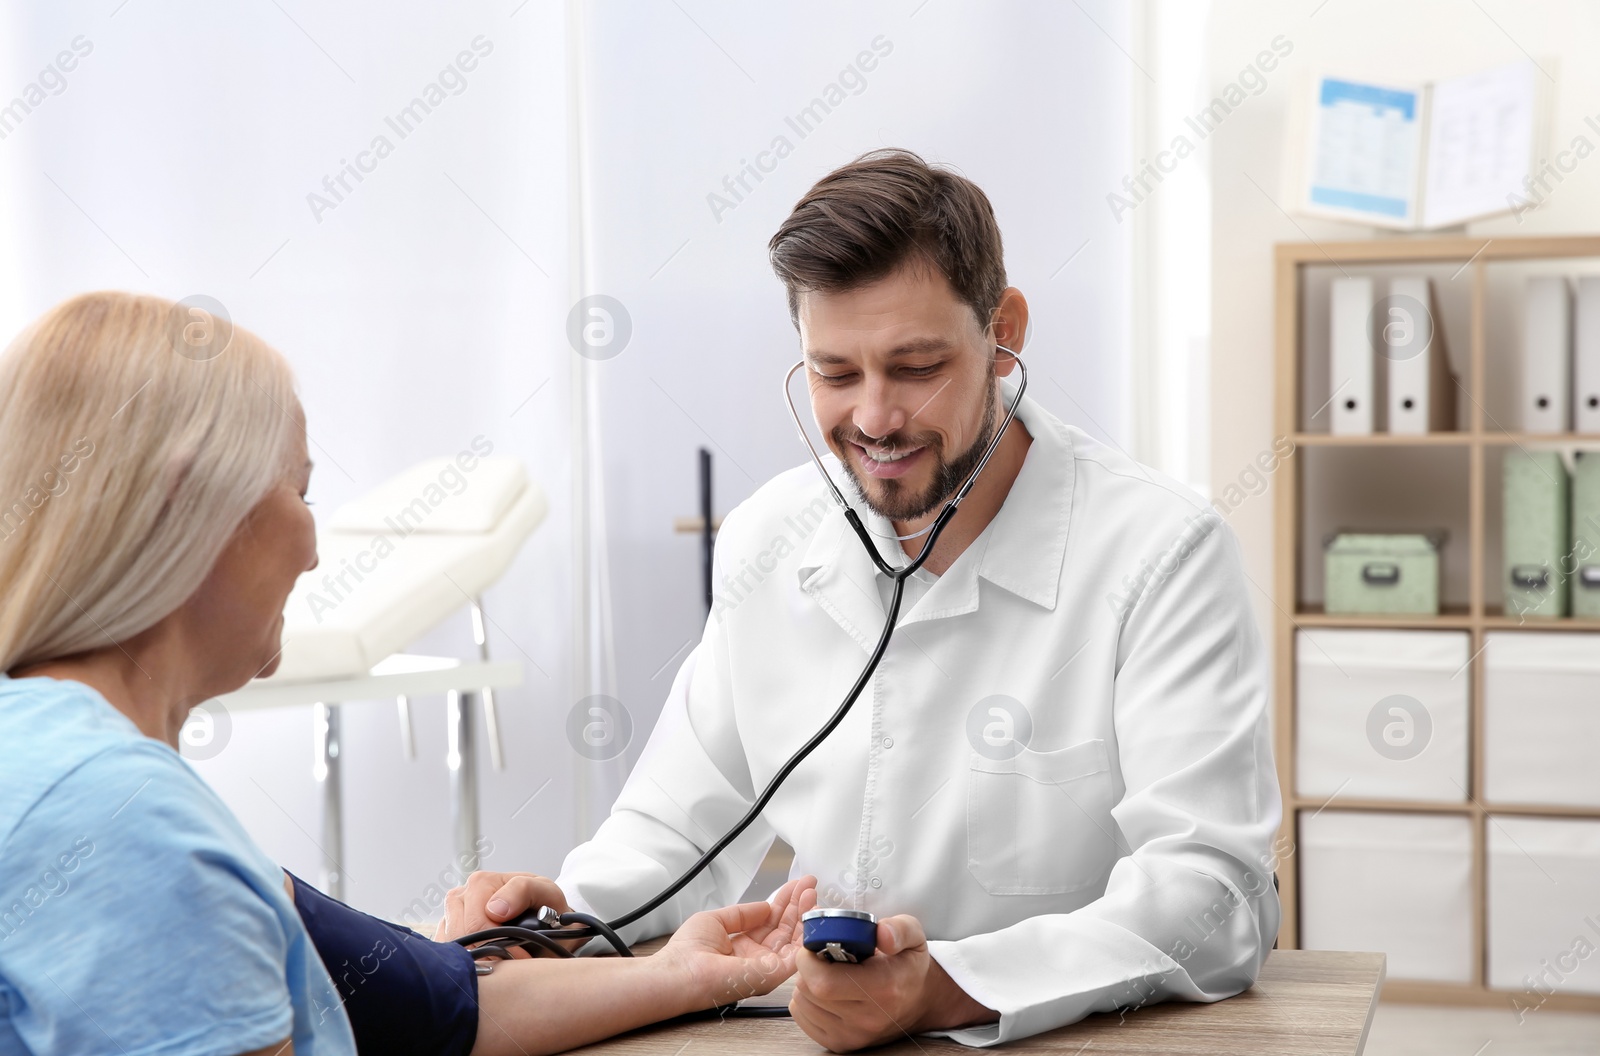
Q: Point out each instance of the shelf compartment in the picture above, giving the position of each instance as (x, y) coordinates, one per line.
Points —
(1417, 488)
(1452, 297)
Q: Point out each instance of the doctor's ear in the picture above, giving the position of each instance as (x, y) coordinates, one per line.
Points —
(1008, 329)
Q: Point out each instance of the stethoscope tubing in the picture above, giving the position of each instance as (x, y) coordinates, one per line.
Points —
(589, 926)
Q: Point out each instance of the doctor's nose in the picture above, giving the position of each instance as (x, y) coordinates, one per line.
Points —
(879, 414)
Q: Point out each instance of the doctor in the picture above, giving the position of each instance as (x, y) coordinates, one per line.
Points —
(1057, 793)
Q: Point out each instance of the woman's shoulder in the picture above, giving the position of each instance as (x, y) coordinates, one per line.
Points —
(68, 757)
(123, 841)
(121, 815)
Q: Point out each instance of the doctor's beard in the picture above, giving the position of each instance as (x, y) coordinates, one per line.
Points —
(893, 500)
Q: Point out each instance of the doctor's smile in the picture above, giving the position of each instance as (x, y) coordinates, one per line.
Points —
(886, 463)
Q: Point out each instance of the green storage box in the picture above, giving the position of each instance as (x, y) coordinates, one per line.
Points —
(1537, 567)
(1586, 534)
(1369, 573)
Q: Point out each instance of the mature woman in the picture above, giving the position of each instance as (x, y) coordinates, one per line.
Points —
(152, 523)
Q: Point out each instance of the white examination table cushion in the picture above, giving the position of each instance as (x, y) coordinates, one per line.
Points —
(397, 561)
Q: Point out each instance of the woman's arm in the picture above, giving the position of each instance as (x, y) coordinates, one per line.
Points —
(545, 1005)
(405, 994)
(529, 1007)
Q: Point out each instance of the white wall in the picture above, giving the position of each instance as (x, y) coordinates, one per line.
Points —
(188, 140)
(1415, 40)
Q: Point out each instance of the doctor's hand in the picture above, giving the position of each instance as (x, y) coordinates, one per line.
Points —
(899, 991)
(721, 956)
(489, 899)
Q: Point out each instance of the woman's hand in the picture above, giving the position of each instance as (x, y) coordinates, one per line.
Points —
(740, 951)
(488, 900)
(545, 1005)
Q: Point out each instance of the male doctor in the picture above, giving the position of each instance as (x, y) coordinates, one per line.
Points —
(1057, 793)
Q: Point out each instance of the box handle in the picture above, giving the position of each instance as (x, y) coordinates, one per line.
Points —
(1530, 577)
(1380, 573)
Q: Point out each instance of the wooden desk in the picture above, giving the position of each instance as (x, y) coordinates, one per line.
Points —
(1305, 1003)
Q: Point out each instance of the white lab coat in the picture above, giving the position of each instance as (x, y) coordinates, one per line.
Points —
(1123, 856)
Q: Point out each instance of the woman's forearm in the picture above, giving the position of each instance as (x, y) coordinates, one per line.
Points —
(545, 1005)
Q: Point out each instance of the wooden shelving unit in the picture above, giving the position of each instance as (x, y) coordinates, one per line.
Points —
(1477, 437)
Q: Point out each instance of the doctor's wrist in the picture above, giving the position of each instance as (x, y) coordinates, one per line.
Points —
(945, 1006)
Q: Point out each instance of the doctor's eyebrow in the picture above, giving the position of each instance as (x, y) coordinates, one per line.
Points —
(908, 348)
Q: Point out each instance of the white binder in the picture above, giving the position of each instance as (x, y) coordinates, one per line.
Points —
(1421, 395)
(1586, 356)
(1353, 407)
(1547, 355)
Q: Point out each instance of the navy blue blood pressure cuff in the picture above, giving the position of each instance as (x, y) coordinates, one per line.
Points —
(403, 993)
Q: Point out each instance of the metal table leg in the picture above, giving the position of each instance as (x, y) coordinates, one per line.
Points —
(462, 759)
(408, 733)
(491, 715)
(326, 771)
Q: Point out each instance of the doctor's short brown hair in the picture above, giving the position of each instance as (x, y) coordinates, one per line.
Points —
(886, 208)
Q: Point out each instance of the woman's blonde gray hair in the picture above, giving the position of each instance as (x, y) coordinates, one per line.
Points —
(126, 465)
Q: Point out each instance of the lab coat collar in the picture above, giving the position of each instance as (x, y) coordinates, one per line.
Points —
(1022, 549)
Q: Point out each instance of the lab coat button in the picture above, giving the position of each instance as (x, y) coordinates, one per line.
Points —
(876, 882)
(888, 742)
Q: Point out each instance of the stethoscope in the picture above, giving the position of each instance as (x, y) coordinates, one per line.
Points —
(541, 931)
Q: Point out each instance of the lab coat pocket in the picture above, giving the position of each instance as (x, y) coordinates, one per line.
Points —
(1039, 823)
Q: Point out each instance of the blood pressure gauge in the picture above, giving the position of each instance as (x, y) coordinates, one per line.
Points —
(843, 935)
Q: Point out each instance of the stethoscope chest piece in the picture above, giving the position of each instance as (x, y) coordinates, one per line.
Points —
(843, 935)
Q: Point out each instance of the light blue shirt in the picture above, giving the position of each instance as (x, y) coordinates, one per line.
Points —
(136, 916)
